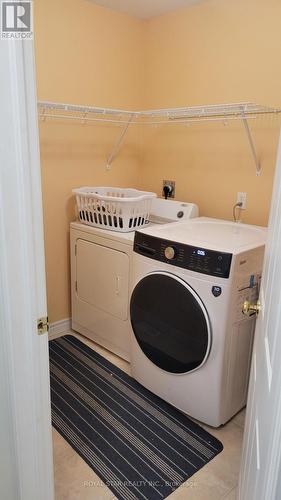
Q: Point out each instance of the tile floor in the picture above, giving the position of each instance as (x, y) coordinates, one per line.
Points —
(75, 480)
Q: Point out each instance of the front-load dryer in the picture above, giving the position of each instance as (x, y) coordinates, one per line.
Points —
(190, 342)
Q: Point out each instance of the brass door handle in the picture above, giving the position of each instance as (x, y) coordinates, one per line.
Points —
(251, 309)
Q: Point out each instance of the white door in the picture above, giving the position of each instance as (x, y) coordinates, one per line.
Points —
(262, 439)
(26, 465)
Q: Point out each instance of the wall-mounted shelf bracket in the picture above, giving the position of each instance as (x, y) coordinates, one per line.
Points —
(118, 143)
(252, 146)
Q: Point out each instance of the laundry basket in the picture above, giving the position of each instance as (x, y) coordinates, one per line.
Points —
(116, 209)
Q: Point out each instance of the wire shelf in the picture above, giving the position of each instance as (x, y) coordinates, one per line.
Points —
(192, 114)
(217, 112)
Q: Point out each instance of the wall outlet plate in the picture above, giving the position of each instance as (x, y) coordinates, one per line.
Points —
(173, 186)
(242, 198)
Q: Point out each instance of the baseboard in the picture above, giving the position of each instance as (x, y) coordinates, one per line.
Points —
(59, 328)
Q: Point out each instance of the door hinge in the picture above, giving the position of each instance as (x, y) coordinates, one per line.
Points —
(42, 325)
(75, 250)
(76, 287)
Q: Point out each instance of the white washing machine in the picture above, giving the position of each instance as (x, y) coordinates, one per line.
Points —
(100, 276)
(190, 342)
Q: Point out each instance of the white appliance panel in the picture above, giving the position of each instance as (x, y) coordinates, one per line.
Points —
(223, 236)
(102, 278)
(103, 322)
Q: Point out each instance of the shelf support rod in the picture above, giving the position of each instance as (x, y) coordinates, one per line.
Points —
(252, 145)
(118, 144)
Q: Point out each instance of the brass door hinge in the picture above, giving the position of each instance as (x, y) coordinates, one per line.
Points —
(42, 325)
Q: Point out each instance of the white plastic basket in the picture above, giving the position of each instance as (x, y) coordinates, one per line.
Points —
(116, 209)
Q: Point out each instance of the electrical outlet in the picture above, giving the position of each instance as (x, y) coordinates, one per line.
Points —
(172, 184)
(242, 198)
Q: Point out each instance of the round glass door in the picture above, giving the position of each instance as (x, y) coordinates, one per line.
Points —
(170, 323)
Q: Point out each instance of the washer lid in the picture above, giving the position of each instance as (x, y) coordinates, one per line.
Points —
(215, 234)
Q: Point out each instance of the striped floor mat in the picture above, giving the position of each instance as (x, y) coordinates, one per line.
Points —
(139, 446)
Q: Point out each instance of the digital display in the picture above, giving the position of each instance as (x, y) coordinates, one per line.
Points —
(201, 252)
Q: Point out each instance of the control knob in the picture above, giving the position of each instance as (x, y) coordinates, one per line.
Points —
(170, 253)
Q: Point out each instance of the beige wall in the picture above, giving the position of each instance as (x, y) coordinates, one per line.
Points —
(85, 55)
(214, 52)
(217, 51)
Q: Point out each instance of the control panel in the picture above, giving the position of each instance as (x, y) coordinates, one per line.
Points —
(195, 259)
